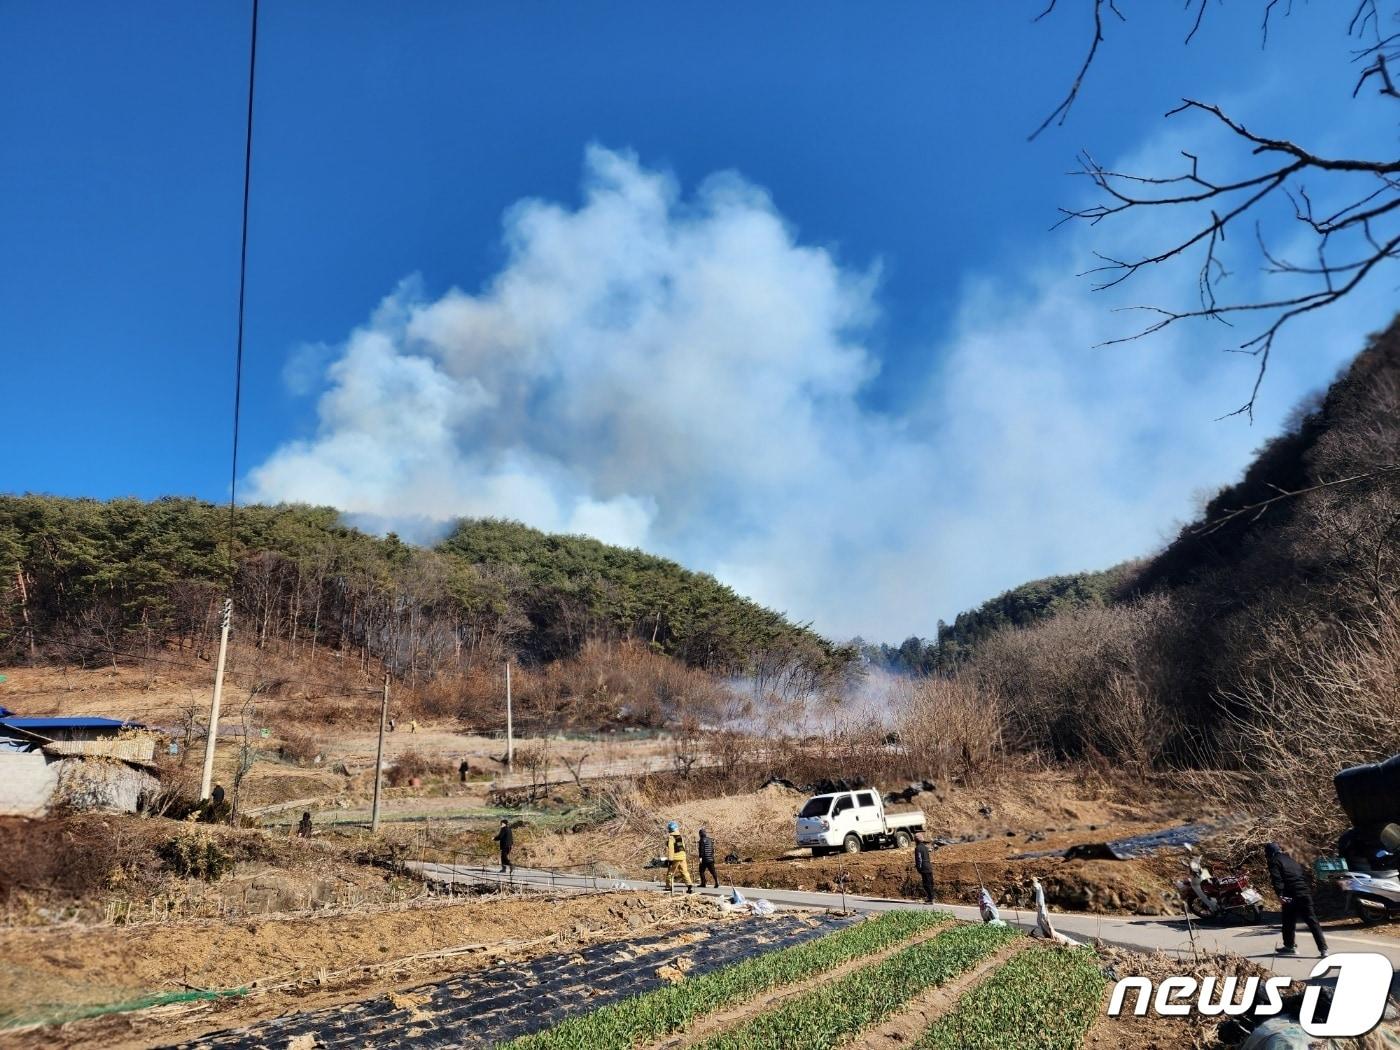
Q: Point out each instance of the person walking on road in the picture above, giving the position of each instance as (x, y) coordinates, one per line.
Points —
(506, 838)
(1295, 894)
(923, 864)
(676, 859)
(707, 857)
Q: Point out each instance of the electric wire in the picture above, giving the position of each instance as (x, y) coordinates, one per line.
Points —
(242, 289)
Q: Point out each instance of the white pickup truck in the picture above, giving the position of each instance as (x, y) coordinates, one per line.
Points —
(853, 821)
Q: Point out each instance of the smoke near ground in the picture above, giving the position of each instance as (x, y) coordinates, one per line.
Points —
(680, 372)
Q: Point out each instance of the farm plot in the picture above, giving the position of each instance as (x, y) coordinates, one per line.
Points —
(905, 977)
(636, 1022)
(834, 1012)
(493, 1006)
(1045, 998)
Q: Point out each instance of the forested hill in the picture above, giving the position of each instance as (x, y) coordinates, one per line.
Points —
(82, 575)
(1022, 606)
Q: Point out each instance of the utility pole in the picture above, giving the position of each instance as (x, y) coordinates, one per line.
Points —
(510, 728)
(207, 781)
(379, 759)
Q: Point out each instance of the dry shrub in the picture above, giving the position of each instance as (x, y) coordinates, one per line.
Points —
(1318, 697)
(64, 858)
(411, 763)
(607, 684)
(195, 854)
(949, 727)
(300, 745)
(1094, 680)
(616, 684)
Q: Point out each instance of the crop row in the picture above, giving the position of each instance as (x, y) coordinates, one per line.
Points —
(833, 1012)
(648, 1017)
(1045, 998)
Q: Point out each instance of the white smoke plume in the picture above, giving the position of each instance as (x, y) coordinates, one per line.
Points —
(683, 375)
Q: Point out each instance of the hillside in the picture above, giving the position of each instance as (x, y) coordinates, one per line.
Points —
(86, 579)
(1264, 638)
(1022, 606)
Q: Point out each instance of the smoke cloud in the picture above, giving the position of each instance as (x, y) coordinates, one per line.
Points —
(682, 374)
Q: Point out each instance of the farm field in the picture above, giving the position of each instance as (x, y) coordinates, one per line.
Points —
(698, 978)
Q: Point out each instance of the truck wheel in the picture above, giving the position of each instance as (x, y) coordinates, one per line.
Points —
(902, 840)
(852, 844)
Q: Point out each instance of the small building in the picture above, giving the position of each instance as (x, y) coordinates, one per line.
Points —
(85, 763)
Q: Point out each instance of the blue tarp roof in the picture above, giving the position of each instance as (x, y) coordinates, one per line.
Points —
(72, 722)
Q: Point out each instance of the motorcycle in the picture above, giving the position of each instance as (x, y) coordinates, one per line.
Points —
(1209, 897)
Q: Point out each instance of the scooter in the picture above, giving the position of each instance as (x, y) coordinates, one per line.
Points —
(1375, 896)
(1369, 877)
(1209, 897)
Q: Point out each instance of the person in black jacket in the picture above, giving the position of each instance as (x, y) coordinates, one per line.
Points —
(506, 838)
(1295, 894)
(923, 864)
(707, 857)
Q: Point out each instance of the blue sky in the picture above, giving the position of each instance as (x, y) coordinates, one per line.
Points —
(885, 151)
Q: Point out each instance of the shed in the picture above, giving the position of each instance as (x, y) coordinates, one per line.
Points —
(87, 763)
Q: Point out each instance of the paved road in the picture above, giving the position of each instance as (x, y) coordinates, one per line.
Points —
(1147, 933)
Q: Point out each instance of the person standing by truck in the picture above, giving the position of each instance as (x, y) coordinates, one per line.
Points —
(1295, 894)
(707, 857)
(676, 859)
(923, 864)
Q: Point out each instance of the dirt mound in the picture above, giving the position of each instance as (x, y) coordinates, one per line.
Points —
(1108, 887)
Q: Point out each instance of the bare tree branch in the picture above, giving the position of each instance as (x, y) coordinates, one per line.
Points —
(1256, 510)
(1350, 239)
(1060, 112)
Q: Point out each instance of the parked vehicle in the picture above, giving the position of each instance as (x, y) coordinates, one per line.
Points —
(1370, 797)
(1374, 896)
(1208, 897)
(854, 821)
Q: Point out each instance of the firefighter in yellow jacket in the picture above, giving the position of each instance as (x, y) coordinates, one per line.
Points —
(675, 858)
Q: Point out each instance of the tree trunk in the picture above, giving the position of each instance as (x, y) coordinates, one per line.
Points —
(24, 609)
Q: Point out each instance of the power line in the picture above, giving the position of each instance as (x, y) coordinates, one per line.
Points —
(242, 285)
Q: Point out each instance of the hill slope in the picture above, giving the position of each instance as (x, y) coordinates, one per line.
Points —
(79, 575)
(1264, 638)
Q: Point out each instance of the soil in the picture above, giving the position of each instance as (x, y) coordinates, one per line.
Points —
(297, 961)
(88, 868)
(1103, 886)
(759, 821)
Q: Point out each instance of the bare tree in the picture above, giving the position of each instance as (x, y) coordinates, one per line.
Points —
(534, 759)
(686, 746)
(247, 752)
(575, 768)
(1348, 207)
(949, 727)
(1318, 700)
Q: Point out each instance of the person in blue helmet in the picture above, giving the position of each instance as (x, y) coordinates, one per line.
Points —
(676, 858)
